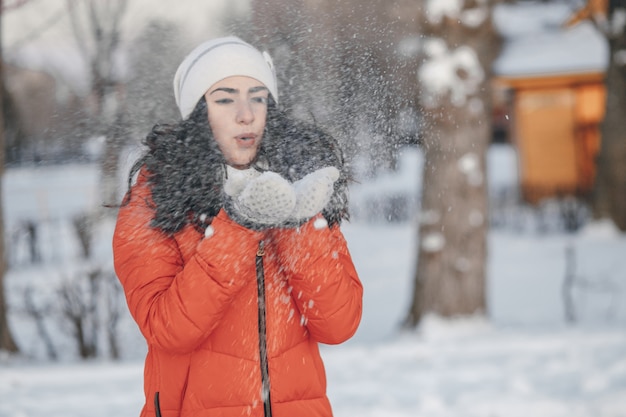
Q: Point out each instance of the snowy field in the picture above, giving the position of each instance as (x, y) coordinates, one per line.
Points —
(522, 360)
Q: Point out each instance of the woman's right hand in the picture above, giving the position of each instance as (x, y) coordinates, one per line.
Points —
(261, 199)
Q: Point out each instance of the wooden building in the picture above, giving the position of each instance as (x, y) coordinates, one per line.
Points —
(553, 81)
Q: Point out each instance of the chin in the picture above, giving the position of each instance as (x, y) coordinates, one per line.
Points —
(241, 162)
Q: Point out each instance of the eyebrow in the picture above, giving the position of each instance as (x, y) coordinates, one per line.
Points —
(234, 90)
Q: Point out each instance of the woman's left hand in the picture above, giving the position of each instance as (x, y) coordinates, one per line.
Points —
(313, 192)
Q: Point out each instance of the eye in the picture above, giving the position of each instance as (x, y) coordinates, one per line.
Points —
(224, 101)
(259, 100)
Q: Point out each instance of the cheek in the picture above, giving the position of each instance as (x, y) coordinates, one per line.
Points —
(216, 124)
(262, 117)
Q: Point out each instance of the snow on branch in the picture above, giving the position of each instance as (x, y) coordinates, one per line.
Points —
(455, 73)
(438, 10)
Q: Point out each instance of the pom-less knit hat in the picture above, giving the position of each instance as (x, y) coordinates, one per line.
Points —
(214, 60)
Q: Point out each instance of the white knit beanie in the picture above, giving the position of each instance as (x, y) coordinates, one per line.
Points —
(214, 60)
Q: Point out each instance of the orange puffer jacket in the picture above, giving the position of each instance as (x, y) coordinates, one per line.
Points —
(210, 327)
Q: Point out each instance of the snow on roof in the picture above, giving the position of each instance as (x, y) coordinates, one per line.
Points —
(535, 42)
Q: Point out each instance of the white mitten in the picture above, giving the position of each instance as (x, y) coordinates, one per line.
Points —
(313, 192)
(267, 199)
(237, 179)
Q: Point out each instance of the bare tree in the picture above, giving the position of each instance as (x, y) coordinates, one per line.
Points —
(15, 138)
(458, 50)
(115, 307)
(7, 342)
(38, 314)
(79, 307)
(97, 29)
(83, 226)
(150, 98)
(91, 306)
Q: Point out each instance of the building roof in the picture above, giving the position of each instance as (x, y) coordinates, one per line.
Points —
(537, 44)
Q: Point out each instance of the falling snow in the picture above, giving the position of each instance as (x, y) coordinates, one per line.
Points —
(521, 360)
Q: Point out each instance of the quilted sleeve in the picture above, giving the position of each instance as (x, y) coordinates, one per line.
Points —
(177, 304)
(323, 279)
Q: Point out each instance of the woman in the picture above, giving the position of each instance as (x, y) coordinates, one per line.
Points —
(229, 250)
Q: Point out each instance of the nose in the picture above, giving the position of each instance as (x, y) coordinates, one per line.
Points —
(245, 114)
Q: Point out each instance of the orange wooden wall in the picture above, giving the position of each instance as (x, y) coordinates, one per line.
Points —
(556, 129)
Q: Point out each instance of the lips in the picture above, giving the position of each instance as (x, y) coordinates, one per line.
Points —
(246, 139)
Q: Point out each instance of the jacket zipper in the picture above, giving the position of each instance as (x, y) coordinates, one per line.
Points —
(157, 404)
(265, 374)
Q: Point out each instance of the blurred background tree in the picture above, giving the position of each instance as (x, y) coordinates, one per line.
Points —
(610, 188)
(149, 98)
(97, 31)
(609, 194)
(7, 342)
(459, 48)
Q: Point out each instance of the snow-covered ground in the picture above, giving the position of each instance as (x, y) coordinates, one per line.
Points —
(522, 359)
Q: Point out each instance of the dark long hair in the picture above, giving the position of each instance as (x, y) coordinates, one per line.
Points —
(186, 168)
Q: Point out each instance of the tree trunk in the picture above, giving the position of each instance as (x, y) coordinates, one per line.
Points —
(450, 272)
(110, 163)
(7, 342)
(609, 198)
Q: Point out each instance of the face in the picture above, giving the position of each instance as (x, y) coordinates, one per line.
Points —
(237, 109)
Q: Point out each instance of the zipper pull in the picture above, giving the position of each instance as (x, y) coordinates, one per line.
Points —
(261, 251)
